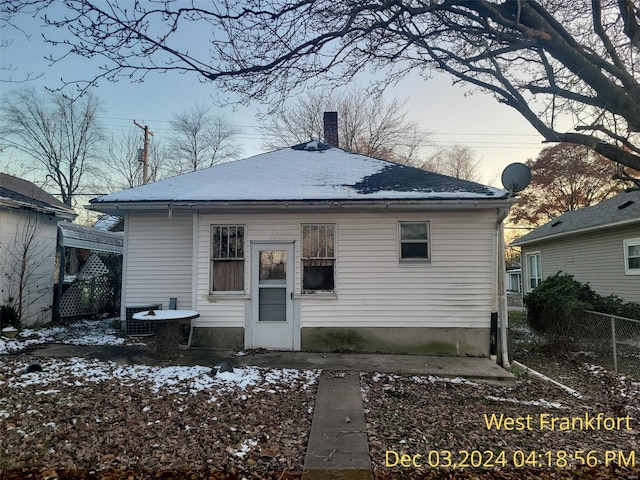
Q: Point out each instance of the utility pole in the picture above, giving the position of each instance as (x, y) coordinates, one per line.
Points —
(145, 152)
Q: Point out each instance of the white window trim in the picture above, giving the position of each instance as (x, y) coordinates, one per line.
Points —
(319, 293)
(217, 294)
(628, 243)
(414, 261)
(526, 262)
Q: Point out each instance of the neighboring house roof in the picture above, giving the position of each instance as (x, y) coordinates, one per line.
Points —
(18, 193)
(306, 172)
(623, 209)
(79, 236)
(108, 222)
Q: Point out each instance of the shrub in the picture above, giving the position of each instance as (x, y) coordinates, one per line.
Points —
(557, 303)
(8, 317)
(556, 306)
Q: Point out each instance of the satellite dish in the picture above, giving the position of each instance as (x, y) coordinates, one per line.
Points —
(516, 177)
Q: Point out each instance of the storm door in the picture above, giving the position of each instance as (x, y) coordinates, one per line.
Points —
(272, 296)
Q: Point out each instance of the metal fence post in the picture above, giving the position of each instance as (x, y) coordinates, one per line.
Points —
(613, 338)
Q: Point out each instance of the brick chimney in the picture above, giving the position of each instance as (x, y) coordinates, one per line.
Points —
(331, 128)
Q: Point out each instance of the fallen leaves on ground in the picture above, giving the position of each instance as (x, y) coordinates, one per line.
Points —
(445, 422)
(82, 416)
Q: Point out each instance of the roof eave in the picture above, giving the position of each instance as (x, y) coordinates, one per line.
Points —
(58, 212)
(519, 243)
(389, 204)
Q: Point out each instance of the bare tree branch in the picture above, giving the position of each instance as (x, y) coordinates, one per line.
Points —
(200, 139)
(61, 135)
(554, 62)
(367, 124)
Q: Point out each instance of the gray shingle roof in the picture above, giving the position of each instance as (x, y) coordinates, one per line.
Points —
(79, 236)
(305, 174)
(621, 209)
(18, 193)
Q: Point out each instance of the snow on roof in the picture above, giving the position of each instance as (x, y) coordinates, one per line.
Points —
(107, 222)
(91, 238)
(299, 174)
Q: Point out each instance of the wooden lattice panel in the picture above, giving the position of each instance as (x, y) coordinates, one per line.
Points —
(91, 292)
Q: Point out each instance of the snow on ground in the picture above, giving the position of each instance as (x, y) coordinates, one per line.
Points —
(80, 371)
(383, 377)
(183, 380)
(541, 402)
(83, 332)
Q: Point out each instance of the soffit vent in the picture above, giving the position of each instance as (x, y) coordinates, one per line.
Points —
(555, 224)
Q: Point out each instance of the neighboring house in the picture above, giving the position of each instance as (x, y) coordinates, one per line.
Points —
(514, 280)
(29, 218)
(599, 245)
(315, 248)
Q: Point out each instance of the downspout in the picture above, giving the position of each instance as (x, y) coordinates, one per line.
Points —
(501, 288)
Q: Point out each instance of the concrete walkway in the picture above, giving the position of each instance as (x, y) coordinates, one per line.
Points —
(338, 447)
(471, 368)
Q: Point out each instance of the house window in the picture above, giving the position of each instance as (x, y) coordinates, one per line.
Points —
(534, 270)
(414, 241)
(227, 258)
(318, 258)
(632, 256)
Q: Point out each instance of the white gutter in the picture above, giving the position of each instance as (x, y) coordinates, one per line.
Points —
(305, 205)
(51, 210)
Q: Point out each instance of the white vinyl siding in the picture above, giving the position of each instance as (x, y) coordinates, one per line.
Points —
(15, 226)
(372, 288)
(595, 257)
(158, 258)
(632, 256)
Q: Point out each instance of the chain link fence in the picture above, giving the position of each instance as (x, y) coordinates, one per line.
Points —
(613, 340)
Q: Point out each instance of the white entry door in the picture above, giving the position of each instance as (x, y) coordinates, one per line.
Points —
(272, 296)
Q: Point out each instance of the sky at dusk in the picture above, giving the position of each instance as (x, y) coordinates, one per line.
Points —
(497, 134)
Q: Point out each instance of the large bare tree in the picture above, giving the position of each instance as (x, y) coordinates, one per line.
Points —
(366, 124)
(200, 139)
(121, 165)
(458, 161)
(569, 67)
(60, 134)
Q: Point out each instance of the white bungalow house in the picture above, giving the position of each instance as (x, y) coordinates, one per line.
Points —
(599, 245)
(29, 219)
(315, 248)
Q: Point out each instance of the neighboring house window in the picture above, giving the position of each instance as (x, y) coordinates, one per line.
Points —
(414, 241)
(227, 258)
(318, 258)
(534, 270)
(632, 256)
